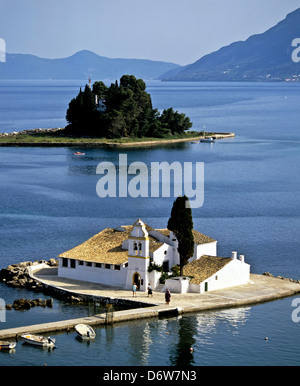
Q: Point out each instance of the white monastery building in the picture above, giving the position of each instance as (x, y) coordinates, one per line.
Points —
(122, 256)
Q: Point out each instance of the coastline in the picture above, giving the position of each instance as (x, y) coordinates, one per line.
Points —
(261, 289)
(87, 143)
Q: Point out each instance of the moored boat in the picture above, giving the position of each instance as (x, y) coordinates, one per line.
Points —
(38, 340)
(7, 345)
(79, 153)
(209, 140)
(85, 331)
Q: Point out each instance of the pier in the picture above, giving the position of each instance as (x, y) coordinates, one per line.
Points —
(261, 289)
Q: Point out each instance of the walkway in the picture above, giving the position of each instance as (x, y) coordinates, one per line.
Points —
(262, 288)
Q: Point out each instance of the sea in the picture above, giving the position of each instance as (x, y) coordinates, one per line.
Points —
(49, 204)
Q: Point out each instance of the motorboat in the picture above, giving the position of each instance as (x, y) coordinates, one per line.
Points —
(85, 331)
(7, 345)
(209, 140)
(79, 153)
(38, 340)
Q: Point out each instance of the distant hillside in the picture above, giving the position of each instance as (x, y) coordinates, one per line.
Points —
(81, 65)
(262, 57)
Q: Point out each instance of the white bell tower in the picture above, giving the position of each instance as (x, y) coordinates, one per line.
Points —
(138, 257)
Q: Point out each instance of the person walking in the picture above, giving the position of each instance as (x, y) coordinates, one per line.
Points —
(150, 290)
(168, 296)
(134, 290)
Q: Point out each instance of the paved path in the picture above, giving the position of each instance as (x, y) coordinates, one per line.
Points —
(262, 288)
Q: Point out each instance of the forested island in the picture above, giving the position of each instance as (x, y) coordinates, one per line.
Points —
(119, 115)
(124, 109)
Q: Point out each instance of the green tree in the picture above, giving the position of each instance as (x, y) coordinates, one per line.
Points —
(73, 115)
(115, 124)
(181, 224)
(175, 122)
(128, 112)
(81, 114)
(100, 89)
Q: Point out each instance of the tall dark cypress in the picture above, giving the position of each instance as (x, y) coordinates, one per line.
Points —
(181, 224)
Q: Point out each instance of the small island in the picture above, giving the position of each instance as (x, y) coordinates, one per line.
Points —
(122, 110)
(119, 115)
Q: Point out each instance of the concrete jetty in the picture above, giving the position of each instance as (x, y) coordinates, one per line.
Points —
(261, 289)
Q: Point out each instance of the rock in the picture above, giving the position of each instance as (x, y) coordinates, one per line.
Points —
(73, 299)
(53, 262)
(49, 303)
(22, 282)
(20, 304)
(268, 274)
(42, 302)
(13, 283)
(26, 304)
(24, 264)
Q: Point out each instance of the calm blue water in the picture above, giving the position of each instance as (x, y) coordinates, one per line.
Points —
(49, 204)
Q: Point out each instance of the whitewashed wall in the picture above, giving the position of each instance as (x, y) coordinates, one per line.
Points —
(234, 273)
(178, 285)
(204, 249)
(93, 274)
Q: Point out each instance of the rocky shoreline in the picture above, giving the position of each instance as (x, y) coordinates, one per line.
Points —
(282, 278)
(31, 132)
(17, 276)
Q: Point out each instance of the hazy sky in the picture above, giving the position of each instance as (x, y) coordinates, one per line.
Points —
(179, 31)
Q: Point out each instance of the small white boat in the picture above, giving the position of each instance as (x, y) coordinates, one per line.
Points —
(38, 340)
(209, 140)
(79, 153)
(85, 331)
(7, 345)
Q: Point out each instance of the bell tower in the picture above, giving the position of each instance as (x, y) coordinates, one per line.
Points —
(138, 256)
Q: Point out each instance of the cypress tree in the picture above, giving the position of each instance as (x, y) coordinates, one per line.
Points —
(181, 224)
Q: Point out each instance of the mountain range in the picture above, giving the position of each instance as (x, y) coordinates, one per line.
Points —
(82, 65)
(262, 57)
(269, 56)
